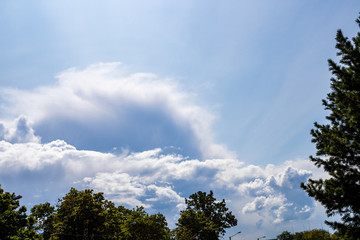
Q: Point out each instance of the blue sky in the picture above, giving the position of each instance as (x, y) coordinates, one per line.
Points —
(150, 101)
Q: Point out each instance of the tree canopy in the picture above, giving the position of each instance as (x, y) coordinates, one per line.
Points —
(81, 215)
(12, 216)
(315, 234)
(44, 218)
(84, 215)
(338, 141)
(88, 215)
(14, 222)
(204, 218)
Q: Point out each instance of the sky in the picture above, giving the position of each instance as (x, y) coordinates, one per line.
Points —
(151, 101)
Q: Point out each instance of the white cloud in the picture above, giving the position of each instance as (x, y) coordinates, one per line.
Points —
(120, 187)
(18, 131)
(152, 179)
(279, 195)
(109, 102)
(123, 188)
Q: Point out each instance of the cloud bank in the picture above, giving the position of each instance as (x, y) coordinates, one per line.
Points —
(120, 134)
(159, 181)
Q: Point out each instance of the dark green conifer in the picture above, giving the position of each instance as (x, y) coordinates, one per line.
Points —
(338, 141)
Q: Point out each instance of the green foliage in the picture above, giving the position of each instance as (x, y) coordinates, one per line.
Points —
(88, 215)
(315, 234)
(285, 236)
(44, 216)
(204, 218)
(81, 215)
(338, 141)
(28, 234)
(137, 224)
(195, 225)
(14, 223)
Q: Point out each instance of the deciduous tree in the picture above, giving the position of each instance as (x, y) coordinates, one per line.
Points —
(138, 225)
(286, 235)
(87, 215)
(81, 215)
(204, 218)
(44, 214)
(14, 223)
(315, 234)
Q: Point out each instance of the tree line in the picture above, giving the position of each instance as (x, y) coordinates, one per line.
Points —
(87, 215)
(315, 234)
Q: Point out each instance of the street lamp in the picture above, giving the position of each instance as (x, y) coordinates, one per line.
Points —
(261, 237)
(234, 235)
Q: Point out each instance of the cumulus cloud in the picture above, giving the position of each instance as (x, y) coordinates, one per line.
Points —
(108, 107)
(18, 131)
(154, 179)
(121, 187)
(125, 189)
(279, 195)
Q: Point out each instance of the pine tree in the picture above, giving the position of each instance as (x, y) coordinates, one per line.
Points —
(338, 141)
